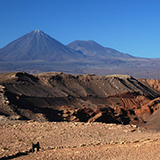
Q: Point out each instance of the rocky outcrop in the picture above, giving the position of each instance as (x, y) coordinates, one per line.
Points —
(87, 98)
(154, 83)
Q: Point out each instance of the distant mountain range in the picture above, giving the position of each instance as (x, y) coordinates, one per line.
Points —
(37, 52)
(37, 45)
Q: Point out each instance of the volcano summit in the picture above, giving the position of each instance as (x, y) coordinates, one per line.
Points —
(37, 45)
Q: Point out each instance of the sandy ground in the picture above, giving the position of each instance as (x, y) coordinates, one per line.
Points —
(76, 140)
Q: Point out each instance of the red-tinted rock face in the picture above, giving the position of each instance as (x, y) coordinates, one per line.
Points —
(154, 83)
(86, 98)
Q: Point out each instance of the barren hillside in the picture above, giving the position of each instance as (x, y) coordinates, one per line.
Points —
(85, 98)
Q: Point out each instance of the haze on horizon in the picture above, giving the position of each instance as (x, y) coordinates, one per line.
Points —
(128, 26)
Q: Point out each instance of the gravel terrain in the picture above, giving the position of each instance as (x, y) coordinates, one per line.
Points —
(77, 140)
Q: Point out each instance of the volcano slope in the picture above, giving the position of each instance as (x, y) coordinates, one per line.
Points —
(59, 97)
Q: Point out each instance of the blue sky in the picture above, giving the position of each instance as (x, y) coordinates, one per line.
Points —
(129, 26)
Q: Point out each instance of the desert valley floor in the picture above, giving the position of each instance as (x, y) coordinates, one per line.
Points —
(78, 140)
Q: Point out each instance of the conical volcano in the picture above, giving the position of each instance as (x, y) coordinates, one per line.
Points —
(37, 45)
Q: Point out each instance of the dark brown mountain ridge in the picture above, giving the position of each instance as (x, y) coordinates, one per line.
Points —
(87, 98)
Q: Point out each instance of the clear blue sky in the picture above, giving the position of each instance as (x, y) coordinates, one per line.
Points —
(129, 26)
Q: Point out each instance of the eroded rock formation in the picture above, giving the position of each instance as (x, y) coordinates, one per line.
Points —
(88, 98)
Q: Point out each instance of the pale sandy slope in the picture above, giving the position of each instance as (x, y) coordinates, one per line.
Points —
(78, 141)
